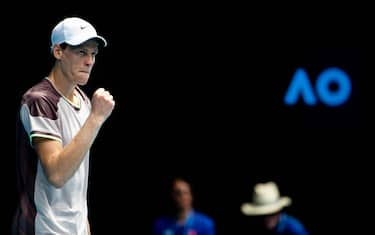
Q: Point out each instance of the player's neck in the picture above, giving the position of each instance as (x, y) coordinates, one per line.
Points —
(63, 88)
(61, 84)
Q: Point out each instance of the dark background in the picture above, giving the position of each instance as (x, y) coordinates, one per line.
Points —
(199, 92)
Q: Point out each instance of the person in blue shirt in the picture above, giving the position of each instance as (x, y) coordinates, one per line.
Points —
(267, 212)
(184, 220)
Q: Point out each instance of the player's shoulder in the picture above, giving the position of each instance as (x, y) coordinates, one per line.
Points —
(40, 91)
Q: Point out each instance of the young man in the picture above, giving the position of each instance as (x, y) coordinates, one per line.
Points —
(56, 127)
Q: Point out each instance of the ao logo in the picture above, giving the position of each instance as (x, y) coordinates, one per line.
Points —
(301, 86)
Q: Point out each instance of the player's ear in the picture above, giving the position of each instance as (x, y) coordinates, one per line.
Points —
(57, 51)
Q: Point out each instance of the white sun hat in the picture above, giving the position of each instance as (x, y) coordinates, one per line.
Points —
(266, 200)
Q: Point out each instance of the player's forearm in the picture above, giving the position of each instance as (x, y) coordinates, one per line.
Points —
(71, 156)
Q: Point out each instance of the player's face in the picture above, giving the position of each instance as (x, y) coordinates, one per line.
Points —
(78, 61)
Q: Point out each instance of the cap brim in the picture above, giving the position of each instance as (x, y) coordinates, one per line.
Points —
(79, 40)
(253, 209)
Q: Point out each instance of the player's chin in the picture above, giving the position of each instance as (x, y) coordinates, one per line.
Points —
(83, 79)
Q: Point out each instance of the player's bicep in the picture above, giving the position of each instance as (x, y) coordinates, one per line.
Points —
(48, 151)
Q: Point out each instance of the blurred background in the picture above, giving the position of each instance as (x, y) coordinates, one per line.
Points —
(200, 91)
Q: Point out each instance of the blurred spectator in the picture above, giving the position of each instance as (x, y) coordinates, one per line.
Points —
(183, 219)
(267, 215)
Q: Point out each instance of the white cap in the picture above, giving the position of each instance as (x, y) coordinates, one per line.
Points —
(74, 31)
